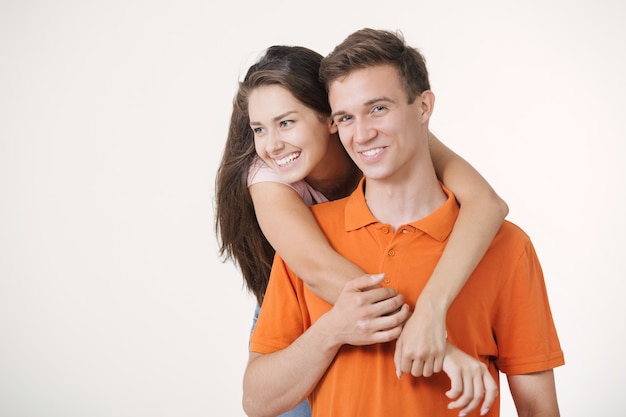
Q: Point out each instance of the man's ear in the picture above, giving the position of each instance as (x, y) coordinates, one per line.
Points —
(332, 127)
(427, 104)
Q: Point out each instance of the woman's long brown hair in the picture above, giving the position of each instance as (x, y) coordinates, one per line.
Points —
(240, 237)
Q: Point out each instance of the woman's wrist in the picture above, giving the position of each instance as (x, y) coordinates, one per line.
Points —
(436, 307)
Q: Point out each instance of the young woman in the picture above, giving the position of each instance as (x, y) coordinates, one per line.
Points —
(281, 157)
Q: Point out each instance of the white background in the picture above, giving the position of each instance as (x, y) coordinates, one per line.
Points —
(113, 115)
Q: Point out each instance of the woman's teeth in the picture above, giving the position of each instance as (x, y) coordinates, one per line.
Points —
(287, 160)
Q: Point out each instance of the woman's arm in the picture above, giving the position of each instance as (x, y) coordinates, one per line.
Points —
(420, 348)
(481, 216)
(293, 232)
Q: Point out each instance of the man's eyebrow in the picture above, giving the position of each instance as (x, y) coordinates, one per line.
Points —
(337, 113)
(378, 99)
(367, 103)
(277, 118)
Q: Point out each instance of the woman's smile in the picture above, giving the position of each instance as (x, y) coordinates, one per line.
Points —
(287, 160)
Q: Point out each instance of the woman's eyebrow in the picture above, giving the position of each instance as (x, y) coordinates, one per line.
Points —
(276, 118)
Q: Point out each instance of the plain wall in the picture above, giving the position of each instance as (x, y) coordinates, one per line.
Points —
(113, 116)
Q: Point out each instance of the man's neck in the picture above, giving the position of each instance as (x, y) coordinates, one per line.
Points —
(406, 200)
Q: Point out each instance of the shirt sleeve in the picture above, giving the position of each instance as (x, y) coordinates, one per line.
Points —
(282, 318)
(260, 172)
(524, 326)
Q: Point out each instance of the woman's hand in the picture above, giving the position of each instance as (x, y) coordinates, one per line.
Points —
(421, 347)
(470, 382)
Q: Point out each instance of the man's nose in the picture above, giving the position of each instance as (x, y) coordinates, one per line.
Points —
(363, 131)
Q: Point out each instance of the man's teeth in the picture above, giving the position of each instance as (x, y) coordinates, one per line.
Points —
(287, 160)
(372, 152)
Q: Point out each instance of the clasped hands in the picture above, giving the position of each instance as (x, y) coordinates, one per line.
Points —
(366, 313)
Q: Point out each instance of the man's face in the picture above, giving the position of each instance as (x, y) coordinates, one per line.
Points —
(382, 133)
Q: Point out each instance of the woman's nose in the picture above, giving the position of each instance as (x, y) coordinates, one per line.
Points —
(274, 142)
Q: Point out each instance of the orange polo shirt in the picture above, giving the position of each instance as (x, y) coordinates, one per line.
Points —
(501, 316)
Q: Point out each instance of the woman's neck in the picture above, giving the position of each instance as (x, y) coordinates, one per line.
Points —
(337, 175)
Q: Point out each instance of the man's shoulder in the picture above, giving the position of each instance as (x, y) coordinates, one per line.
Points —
(511, 238)
(512, 229)
(330, 211)
(326, 207)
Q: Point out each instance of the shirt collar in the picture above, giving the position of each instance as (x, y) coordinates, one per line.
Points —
(437, 224)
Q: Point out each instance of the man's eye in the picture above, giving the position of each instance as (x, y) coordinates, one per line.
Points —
(378, 108)
(343, 119)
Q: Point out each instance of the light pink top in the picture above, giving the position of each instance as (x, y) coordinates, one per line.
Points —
(260, 172)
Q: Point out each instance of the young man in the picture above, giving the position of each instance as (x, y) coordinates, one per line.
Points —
(397, 222)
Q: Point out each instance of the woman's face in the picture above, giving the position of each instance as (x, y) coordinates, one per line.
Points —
(290, 137)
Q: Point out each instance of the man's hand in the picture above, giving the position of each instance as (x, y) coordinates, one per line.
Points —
(470, 382)
(421, 347)
(366, 313)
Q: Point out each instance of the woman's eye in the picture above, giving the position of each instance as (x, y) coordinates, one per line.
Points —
(257, 130)
(286, 123)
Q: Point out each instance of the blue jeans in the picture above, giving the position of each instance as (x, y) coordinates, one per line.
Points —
(303, 409)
